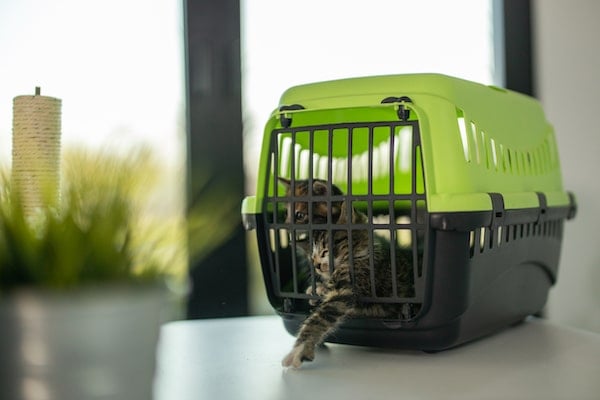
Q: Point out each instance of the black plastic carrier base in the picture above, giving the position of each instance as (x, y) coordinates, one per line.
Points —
(479, 280)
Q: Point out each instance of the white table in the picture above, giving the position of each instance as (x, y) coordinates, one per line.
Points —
(239, 358)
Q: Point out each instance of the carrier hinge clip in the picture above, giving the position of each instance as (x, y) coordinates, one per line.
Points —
(498, 211)
(543, 207)
(403, 112)
(285, 118)
(572, 206)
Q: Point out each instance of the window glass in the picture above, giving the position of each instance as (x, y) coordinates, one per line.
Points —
(117, 66)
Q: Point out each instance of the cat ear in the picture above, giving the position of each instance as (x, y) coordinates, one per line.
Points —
(336, 190)
(344, 213)
(319, 187)
(286, 182)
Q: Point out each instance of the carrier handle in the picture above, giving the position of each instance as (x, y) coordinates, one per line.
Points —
(403, 112)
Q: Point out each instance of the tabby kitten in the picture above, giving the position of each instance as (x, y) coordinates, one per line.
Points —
(297, 213)
(342, 284)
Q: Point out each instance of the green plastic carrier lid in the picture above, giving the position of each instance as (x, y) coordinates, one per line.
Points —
(474, 139)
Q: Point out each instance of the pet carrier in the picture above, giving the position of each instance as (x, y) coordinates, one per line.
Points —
(463, 180)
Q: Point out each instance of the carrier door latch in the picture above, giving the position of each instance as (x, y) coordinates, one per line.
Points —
(286, 119)
(403, 112)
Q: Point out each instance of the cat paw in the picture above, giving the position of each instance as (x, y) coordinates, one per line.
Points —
(319, 291)
(298, 355)
(312, 302)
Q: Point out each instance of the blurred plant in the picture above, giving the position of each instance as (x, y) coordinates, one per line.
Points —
(95, 232)
(109, 226)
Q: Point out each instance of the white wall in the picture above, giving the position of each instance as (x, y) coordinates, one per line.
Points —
(567, 59)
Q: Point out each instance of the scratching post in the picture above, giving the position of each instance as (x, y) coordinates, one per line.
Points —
(36, 150)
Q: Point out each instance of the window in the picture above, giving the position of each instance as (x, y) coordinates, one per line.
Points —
(117, 66)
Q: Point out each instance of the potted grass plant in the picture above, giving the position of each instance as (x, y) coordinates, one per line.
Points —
(84, 284)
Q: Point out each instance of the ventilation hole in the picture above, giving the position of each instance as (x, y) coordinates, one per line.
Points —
(494, 160)
(471, 243)
(499, 236)
(462, 127)
(482, 233)
(476, 142)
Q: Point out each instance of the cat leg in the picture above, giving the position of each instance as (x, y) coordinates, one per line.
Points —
(320, 290)
(336, 306)
(298, 355)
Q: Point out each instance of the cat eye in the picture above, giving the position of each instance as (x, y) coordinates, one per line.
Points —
(299, 215)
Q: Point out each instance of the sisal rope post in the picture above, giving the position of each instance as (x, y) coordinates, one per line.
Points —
(36, 150)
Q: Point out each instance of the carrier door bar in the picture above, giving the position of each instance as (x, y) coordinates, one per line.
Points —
(350, 193)
(392, 213)
(370, 211)
(330, 220)
(311, 152)
(277, 268)
(292, 229)
(416, 147)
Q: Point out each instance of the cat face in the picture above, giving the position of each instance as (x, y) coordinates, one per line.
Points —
(298, 212)
(321, 256)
